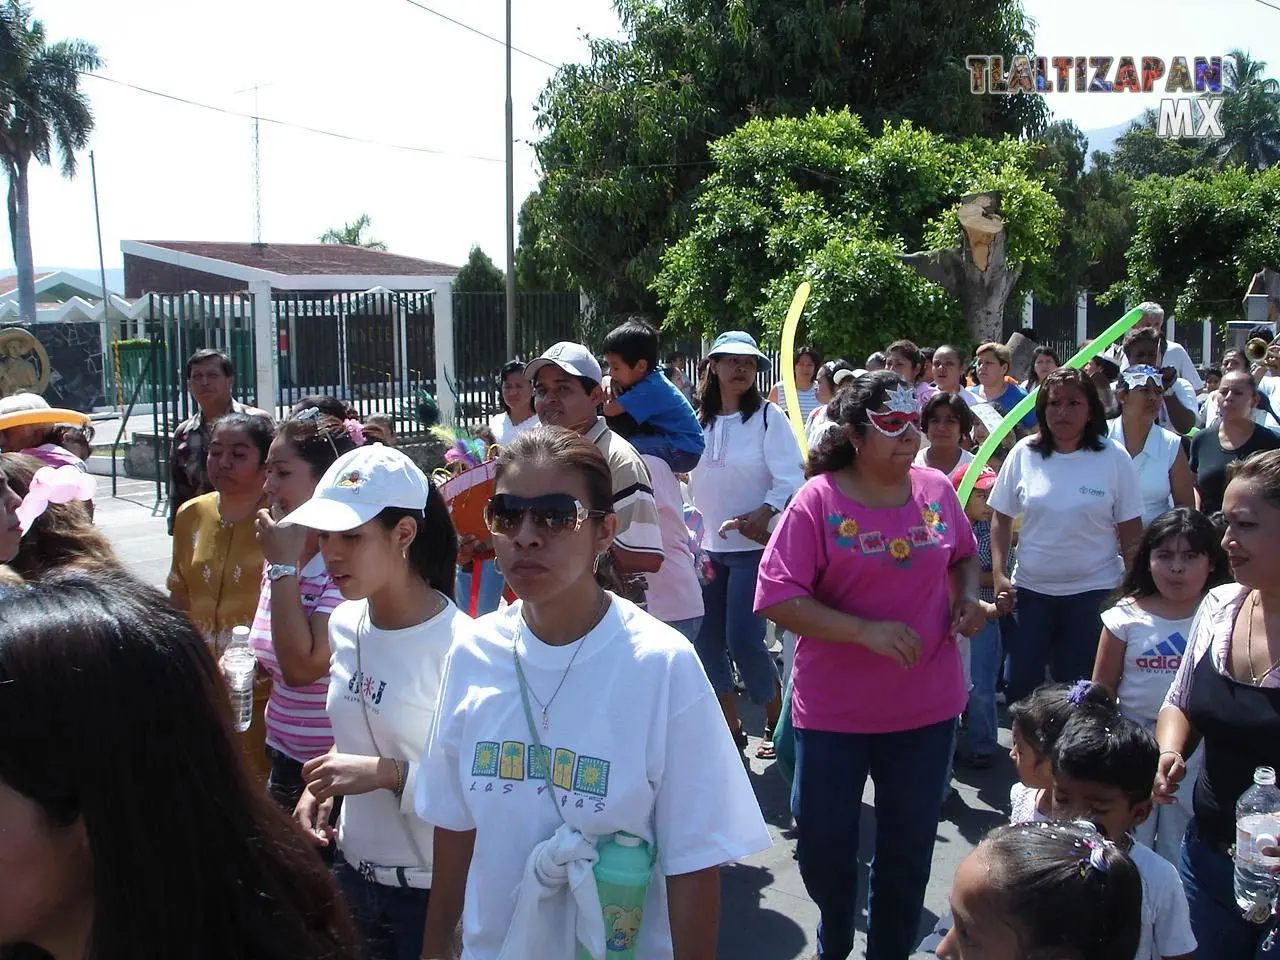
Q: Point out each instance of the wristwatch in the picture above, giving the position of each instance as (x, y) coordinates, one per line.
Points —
(278, 571)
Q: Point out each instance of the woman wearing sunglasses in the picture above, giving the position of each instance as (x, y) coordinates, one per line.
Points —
(862, 567)
(389, 547)
(567, 718)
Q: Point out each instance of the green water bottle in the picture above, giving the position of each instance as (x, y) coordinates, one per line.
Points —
(622, 874)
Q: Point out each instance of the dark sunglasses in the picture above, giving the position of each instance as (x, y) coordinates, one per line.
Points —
(553, 512)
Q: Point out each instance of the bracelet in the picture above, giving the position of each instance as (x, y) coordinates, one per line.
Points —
(1174, 753)
(402, 774)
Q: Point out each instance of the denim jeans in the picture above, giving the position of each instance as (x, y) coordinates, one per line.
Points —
(688, 628)
(1221, 932)
(1058, 632)
(730, 628)
(907, 769)
(984, 662)
(490, 588)
(285, 784)
(390, 920)
(659, 445)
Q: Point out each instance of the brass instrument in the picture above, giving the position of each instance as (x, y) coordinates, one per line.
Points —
(1256, 349)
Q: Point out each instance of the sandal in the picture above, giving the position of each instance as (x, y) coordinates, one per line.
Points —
(766, 751)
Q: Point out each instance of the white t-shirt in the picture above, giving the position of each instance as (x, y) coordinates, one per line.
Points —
(1166, 920)
(744, 465)
(966, 458)
(1186, 394)
(1024, 804)
(1071, 503)
(504, 431)
(636, 742)
(674, 591)
(1153, 464)
(1154, 648)
(394, 680)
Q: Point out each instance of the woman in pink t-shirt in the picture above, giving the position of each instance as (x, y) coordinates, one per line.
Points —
(875, 567)
(290, 632)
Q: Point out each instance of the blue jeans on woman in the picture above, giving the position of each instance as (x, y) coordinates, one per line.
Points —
(1208, 877)
(1058, 632)
(907, 769)
(389, 920)
(731, 629)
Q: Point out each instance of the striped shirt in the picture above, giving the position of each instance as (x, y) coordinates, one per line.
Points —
(808, 400)
(296, 721)
(637, 511)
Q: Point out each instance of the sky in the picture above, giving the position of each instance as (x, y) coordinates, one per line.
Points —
(390, 72)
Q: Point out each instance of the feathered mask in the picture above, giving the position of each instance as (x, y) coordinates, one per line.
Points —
(462, 450)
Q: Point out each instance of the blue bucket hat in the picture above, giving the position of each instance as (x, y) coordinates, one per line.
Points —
(736, 343)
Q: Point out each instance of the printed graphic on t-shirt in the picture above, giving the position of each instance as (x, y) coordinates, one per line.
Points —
(845, 532)
(1165, 656)
(364, 687)
(513, 760)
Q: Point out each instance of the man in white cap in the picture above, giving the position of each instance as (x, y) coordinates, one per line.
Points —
(567, 393)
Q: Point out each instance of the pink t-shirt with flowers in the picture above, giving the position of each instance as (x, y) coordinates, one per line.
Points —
(885, 564)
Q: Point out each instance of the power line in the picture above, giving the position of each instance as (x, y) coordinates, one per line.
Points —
(1265, 4)
(294, 126)
(480, 33)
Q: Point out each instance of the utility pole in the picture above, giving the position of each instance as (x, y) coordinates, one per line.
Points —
(257, 162)
(102, 264)
(511, 208)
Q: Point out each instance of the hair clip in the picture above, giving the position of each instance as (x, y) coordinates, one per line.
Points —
(355, 431)
(1077, 692)
(311, 413)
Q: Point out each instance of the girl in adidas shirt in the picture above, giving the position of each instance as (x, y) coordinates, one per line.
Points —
(1144, 636)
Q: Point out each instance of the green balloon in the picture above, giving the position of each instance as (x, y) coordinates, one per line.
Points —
(1027, 403)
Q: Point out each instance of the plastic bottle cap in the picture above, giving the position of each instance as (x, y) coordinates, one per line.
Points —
(626, 840)
(1265, 776)
(243, 632)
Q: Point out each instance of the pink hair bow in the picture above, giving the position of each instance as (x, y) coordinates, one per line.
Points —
(53, 485)
(355, 430)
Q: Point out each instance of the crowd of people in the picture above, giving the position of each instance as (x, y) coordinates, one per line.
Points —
(1110, 576)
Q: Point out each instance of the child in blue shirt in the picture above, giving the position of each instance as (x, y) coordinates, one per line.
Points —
(643, 405)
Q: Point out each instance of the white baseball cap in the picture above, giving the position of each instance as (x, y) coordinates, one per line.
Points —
(572, 358)
(360, 485)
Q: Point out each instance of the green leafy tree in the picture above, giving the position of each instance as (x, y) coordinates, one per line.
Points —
(352, 234)
(1139, 153)
(42, 111)
(479, 275)
(537, 271)
(1199, 238)
(624, 138)
(1250, 115)
(1096, 222)
(818, 198)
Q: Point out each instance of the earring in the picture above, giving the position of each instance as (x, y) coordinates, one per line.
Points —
(595, 567)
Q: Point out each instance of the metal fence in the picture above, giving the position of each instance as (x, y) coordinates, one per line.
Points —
(480, 343)
(375, 351)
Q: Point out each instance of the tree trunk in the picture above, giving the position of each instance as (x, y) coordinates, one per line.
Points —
(12, 207)
(22, 252)
(975, 271)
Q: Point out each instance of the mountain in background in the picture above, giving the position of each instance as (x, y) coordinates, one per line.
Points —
(115, 276)
(1104, 139)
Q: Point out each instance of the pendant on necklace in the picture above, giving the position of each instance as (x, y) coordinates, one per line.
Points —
(546, 721)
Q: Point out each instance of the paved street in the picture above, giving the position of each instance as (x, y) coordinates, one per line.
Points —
(766, 914)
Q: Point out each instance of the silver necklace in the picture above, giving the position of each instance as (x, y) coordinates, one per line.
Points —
(601, 607)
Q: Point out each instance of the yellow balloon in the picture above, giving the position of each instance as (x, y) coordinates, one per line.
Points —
(789, 365)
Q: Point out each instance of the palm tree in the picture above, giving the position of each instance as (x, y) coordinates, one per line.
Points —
(351, 234)
(1250, 115)
(41, 107)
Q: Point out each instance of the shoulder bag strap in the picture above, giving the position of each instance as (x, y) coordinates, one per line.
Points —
(533, 727)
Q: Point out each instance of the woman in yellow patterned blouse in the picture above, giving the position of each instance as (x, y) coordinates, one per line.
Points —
(217, 564)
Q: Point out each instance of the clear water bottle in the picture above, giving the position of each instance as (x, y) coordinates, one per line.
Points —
(238, 665)
(622, 874)
(1257, 826)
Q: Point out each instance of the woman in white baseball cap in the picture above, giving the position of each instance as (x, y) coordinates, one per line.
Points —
(388, 544)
